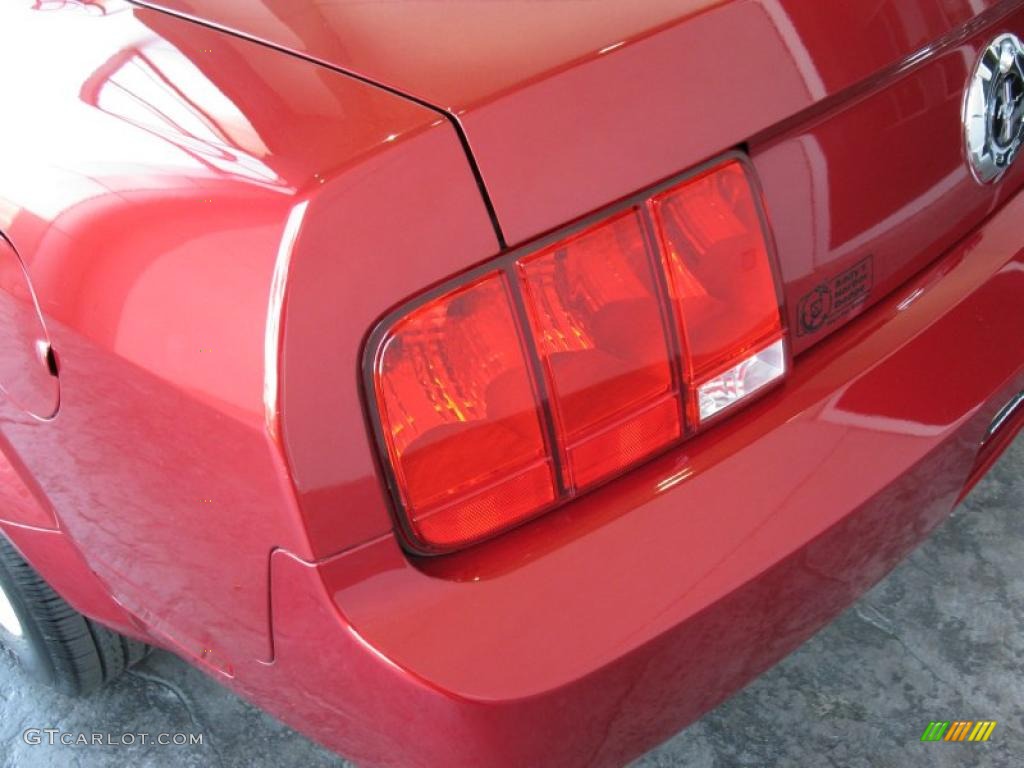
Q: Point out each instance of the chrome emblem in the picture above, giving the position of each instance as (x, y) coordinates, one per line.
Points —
(994, 109)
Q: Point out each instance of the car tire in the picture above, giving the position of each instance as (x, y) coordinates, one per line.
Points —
(52, 641)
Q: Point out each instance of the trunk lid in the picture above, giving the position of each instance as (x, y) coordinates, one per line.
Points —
(850, 111)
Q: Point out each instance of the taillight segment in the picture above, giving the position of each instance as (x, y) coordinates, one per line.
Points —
(554, 369)
(461, 416)
(594, 309)
(722, 287)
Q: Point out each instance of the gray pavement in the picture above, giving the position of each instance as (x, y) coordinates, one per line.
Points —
(939, 639)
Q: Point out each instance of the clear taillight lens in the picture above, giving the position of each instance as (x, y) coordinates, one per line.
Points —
(562, 367)
(743, 379)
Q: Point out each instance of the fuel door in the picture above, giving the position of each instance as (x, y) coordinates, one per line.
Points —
(28, 367)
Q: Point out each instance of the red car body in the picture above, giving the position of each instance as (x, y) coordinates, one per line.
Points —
(206, 207)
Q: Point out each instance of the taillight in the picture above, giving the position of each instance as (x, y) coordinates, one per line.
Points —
(553, 369)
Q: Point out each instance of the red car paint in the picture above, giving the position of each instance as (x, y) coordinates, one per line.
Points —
(211, 225)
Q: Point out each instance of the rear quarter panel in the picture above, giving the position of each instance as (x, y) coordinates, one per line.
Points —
(148, 179)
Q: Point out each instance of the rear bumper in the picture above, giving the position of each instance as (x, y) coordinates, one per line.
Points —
(592, 634)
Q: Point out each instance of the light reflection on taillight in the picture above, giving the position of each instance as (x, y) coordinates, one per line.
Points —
(562, 367)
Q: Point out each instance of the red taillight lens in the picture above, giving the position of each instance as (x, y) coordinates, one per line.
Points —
(595, 311)
(723, 287)
(562, 367)
(461, 417)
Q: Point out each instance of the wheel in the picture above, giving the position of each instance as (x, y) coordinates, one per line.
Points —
(52, 641)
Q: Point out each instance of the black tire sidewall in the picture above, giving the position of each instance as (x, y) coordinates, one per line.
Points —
(30, 650)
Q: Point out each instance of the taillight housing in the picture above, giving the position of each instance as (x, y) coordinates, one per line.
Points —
(559, 366)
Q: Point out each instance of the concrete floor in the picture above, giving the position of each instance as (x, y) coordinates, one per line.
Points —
(939, 639)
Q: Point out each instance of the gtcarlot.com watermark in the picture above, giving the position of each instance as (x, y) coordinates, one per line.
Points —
(54, 736)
